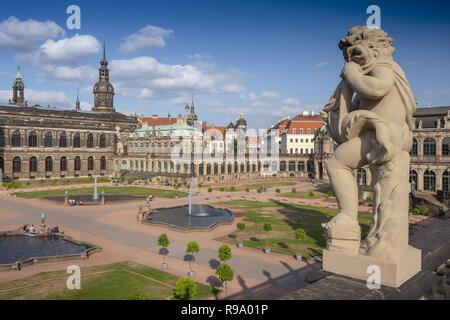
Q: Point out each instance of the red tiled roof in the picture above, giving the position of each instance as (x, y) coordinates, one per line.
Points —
(159, 121)
(303, 123)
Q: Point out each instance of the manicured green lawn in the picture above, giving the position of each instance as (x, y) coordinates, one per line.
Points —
(118, 281)
(285, 219)
(109, 190)
(303, 195)
(255, 186)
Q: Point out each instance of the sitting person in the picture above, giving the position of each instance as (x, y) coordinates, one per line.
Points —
(32, 229)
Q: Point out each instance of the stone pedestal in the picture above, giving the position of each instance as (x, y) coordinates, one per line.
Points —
(355, 266)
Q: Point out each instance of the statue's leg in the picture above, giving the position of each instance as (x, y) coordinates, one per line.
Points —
(348, 157)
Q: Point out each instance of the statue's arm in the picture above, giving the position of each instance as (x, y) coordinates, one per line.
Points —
(374, 86)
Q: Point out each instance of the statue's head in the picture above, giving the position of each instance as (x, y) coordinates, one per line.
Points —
(364, 44)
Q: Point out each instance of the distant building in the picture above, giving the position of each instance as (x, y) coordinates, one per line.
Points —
(48, 143)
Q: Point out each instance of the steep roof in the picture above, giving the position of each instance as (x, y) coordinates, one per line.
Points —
(159, 121)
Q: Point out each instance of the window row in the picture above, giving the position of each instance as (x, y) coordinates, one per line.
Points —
(429, 147)
(16, 140)
(63, 164)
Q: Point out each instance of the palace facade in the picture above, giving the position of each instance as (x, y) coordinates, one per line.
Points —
(42, 143)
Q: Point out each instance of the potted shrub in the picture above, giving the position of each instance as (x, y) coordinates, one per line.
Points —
(299, 236)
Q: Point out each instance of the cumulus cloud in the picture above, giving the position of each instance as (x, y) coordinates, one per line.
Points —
(233, 88)
(81, 74)
(164, 80)
(291, 102)
(68, 50)
(146, 94)
(23, 35)
(320, 65)
(44, 97)
(147, 37)
(270, 94)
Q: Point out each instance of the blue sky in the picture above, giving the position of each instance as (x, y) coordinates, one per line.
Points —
(265, 59)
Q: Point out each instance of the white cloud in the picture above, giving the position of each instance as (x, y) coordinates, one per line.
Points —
(85, 106)
(147, 37)
(83, 74)
(23, 35)
(163, 79)
(291, 102)
(233, 88)
(146, 94)
(43, 98)
(270, 94)
(320, 65)
(68, 50)
(258, 104)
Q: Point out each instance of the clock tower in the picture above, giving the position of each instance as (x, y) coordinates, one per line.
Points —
(103, 89)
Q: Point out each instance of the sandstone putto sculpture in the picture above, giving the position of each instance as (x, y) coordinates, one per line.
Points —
(370, 117)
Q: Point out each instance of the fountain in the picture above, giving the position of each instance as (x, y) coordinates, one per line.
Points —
(95, 196)
(191, 216)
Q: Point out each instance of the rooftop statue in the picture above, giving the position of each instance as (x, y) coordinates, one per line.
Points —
(370, 117)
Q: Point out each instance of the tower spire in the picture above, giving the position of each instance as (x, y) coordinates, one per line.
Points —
(18, 90)
(104, 46)
(78, 104)
(18, 75)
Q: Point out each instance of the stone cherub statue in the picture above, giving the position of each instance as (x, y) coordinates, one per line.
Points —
(370, 117)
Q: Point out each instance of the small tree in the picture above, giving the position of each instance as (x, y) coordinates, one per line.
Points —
(233, 188)
(247, 189)
(163, 242)
(224, 253)
(225, 274)
(294, 190)
(267, 227)
(185, 289)
(299, 236)
(192, 248)
(278, 191)
(310, 194)
(210, 190)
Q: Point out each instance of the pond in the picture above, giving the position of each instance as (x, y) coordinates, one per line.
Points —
(14, 248)
(201, 217)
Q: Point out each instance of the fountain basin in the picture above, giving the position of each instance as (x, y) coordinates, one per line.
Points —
(87, 199)
(16, 247)
(203, 217)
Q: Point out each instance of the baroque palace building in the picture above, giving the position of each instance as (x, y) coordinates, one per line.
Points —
(42, 142)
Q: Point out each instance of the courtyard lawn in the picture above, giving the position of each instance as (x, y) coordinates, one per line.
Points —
(118, 281)
(254, 186)
(303, 195)
(285, 219)
(108, 190)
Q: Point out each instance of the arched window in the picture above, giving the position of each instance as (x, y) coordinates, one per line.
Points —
(291, 166)
(413, 151)
(429, 147)
(76, 140)
(48, 140)
(446, 147)
(91, 163)
(15, 139)
(77, 163)
(429, 181)
(63, 164)
(283, 166)
(48, 164)
(90, 140)
(413, 179)
(2, 165)
(446, 181)
(103, 163)
(17, 165)
(361, 177)
(2, 138)
(33, 166)
(32, 139)
(63, 140)
(301, 166)
(102, 141)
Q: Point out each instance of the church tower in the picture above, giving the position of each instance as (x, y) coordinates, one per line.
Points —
(103, 89)
(77, 103)
(18, 90)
